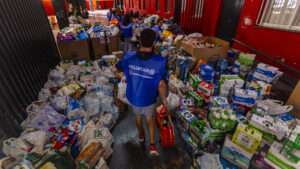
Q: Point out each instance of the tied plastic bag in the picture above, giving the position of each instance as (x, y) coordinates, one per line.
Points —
(56, 75)
(209, 161)
(48, 120)
(37, 139)
(32, 110)
(275, 107)
(173, 101)
(19, 148)
(92, 102)
(108, 121)
(74, 111)
(44, 95)
(73, 72)
(195, 35)
(49, 84)
(60, 103)
(102, 164)
(106, 147)
(122, 91)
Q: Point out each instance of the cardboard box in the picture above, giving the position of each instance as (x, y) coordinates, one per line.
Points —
(74, 50)
(209, 55)
(235, 154)
(119, 54)
(101, 48)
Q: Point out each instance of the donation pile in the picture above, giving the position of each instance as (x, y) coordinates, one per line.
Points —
(69, 126)
(225, 113)
(78, 32)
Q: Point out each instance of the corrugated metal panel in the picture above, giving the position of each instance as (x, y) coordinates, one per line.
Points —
(27, 51)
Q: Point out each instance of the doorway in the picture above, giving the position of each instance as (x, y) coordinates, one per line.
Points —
(229, 20)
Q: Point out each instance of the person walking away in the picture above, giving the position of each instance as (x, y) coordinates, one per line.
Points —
(126, 27)
(109, 14)
(159, 31)
(144, 72)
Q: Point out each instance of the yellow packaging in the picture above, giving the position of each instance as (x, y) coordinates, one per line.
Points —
(247, 137)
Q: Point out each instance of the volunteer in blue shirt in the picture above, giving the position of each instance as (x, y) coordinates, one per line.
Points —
(144, 71)
(159, 31)
(126, 27)
(109, 14)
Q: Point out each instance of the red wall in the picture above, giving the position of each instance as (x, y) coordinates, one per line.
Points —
(150, 7)
(277, 44)
(210, 17)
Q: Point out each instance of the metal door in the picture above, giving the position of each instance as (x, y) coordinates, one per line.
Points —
(230, 17)
(191, 15)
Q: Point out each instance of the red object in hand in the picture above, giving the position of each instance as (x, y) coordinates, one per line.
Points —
(165, 126)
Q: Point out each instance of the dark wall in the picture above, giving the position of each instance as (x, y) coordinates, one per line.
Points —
(27, 51)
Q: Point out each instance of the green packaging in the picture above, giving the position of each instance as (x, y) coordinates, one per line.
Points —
(194, 80)
(197, 99)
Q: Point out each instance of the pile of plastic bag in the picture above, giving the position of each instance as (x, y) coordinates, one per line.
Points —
(69, 126)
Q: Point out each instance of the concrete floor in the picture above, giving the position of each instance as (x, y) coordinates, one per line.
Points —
(128, 153)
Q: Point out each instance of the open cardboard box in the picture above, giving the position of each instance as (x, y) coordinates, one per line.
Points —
(209, 55)
(74, 50)
(100, 47)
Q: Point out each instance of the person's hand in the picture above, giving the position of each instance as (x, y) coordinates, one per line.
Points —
(164, 101)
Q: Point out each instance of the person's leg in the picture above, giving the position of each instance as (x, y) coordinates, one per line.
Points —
(125, 44)
(150, 125)
(129, 45)
(139, 124)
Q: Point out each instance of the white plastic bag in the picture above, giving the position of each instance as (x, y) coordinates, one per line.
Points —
(122, 91)
(173, 101)
(37, 139)
(276, 106)
(6, 146)
(195, 35)
(18, 148)
(102, 164)
(108, 121)
(44, 95)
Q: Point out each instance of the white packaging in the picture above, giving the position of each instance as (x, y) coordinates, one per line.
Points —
(244, 97)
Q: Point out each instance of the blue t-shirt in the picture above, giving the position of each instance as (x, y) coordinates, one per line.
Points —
(143, 77)
(127, 30)
(156, 29)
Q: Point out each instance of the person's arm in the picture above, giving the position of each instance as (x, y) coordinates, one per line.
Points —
(134, 26)
(163, 91)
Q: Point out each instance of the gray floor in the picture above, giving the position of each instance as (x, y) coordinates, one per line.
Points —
(130, 154)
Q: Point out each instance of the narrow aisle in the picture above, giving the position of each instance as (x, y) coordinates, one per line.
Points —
(128, 153)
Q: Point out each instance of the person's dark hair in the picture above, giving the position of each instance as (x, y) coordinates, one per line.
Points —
(131, 13)
(114, 12)
(126, 20)
(136, 14)
(110, 9)
(159, 19)
(147, 37)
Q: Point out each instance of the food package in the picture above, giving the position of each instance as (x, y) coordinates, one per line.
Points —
(197, 99)
(291, 146)
(262, 88)
(246, 137)
(235, 154)
(48, 120)
(194, 80)
(199, 132)
(207, 73)
(266, 73)
(244, 99)
(184, 118)
(89, 151)
(205, 90)
(278, 160)
(186, 103)
(75, 125)
(219, 101)
(65, 137)
(228, 83)
(268, 125)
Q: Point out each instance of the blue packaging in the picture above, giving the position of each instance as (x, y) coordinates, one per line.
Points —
(207, 73)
